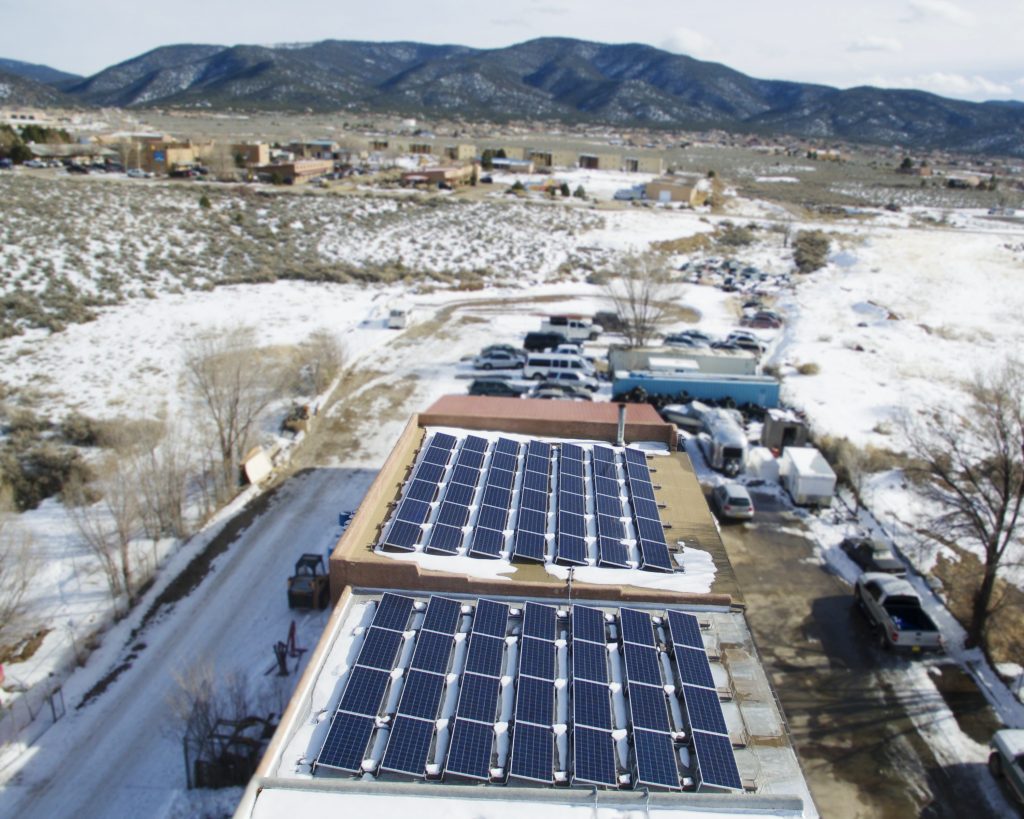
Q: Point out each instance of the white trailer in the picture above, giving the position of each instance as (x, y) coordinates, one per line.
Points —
(807, 476)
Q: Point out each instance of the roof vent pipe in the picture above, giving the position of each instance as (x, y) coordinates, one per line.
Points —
(620, 435)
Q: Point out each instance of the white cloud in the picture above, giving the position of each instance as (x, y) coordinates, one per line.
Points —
(689, 42)
(888, 44)
(943, 9)
(960, 86)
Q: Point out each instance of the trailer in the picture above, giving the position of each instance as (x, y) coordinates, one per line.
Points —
(666, 358)
(759, 390)
(725, 447)
(807, 476)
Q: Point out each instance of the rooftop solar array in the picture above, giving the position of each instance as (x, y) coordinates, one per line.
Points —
(533, 501)
(537, 694)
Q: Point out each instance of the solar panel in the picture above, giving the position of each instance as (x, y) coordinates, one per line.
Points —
(408, 746)
(693, 666)
(533, 500)
(345, 746)
(507, 463)
(588, 624)
(392, 611)
(459, 493)
(572, 451)
(591, 705)
(445, 538)
(537, 658)
(487, 543)
(704, 710)
(635, 456)
(573, 485)
(568, 502)
(535, 701)
(507, 446)
(650, 529)
(685, 629)
(636, 627)
(532, 521)
(469, 752)
(539, 621)
(537, 481)
(654, 555)
(475, 443)
(498, 498)
(422, 491)
(594, 757)
(571, 549)
(647, 707)
(486, 655)
(402, 535)
(538, 466)
(571, 524)
(716, 761)
(612, 553)
(466, 475)
(589, 661)
(443, 439)
(655, 760)
(437, 455)
(478, 697)
(443, 615)
(641, 490)
(610, 527)
(646, 509)
(499, 477)
(470, 458)
(364, 691)
(539, 448)
(603, 454)
(490, 618)
(492, 517)
(413, 511)
(532, 753)
(432, 650)
(530, 546)
(642, 664)
(421, 695)
(380, 648)
(609, 488)
(429, 473)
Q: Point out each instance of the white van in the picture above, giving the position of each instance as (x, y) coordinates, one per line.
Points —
(574, 328)
(398, 318)
(538, 365)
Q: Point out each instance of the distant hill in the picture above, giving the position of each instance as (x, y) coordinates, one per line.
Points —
(18, 90)
(39, 73)
(550, 78)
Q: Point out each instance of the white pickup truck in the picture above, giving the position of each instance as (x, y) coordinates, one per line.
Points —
(574, 328)
(1007, 759)
(894, 609)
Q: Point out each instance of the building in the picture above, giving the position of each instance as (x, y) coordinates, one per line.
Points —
(314, 149)
(296, 172)
(453, 175)
(546, 160)
(251, 154)
(643, 164)
(459, 153)
(449, 682)
(676, 189)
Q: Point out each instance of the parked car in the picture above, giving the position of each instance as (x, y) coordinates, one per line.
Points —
(745, 341)
(559, 390)
(74, 167)
(495, 387)
(539, 365)
(138, 173)
(538, 342)
(574, 377)
(1006, 761)
(5, 163)
(732, 500)
(503, 348)
(574, 328)
(762, 321)
(498, 360)
(680, 340)
(892, 606)
(34, 163)
(872, 556)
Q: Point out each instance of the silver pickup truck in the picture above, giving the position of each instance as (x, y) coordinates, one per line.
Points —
(1007, 759)
(894, 609)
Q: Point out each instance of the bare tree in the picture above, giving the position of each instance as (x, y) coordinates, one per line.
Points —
(233, 384)
(972, 465)
(17, 568)
(161, 473)
(322, 358)
(642, 293)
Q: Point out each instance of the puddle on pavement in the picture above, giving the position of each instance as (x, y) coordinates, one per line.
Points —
(973, 713)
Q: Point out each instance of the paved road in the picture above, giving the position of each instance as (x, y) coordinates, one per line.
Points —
(854, 710)
(112, 758)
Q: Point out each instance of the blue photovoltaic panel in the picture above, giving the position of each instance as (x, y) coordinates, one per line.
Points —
(437, 455)
(610, 527)
(507, 446)
(486, 655)
(474, 443)
(533, 500)
(647, 707)
(432, 650)
(537, 481)
(380, 647)
(693, 666)
(453, 515)
(636, 627)
(646, 509)
(716, 761)
(539, 448)
(572, 452)
(539, 621)
(497, 497)
(530, 546)
(594, 757)
(588, 624)
(492, 517)
(429, 473)
(478, 698)
(568, 502)
(642, 664)
(609, 488)
(603, 454)
(704, 710)
(535, 701)
(445, 538)
(506, 462)
(611, 552)
(459, 493)
(393, 611)
(641, 490)
(589, 661)
(469, 753)
(345, 746)
(634, 456)
(571, 524)
(423, 491)
(591, 705)
(540, 464)
(443, 439)
(654, 555)
(487, 542)
(655, 760)
(605, 472)
(421, 695)
(499, 477)
(571, 549)
(490, 618)
(443, 615)
(403, 535)
(364, 691)
(685, 630)
(537, 658)
(465, 475)
(650, 530)
(572, 485)
(532, 521)
(469, 458)
(408, 746)
(413, 511)
(532, 753)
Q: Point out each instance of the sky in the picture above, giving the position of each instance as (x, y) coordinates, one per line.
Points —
(969, 49)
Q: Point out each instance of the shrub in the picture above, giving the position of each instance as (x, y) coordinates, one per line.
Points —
(810, 250)
(808, 369)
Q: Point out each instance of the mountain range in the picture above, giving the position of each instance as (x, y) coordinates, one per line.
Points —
(545, 79)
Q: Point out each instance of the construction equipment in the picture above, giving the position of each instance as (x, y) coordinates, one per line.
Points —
(310, 586)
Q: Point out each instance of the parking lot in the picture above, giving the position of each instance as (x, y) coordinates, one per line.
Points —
(855, 712)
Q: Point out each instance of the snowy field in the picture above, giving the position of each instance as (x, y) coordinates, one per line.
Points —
(896, 322)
